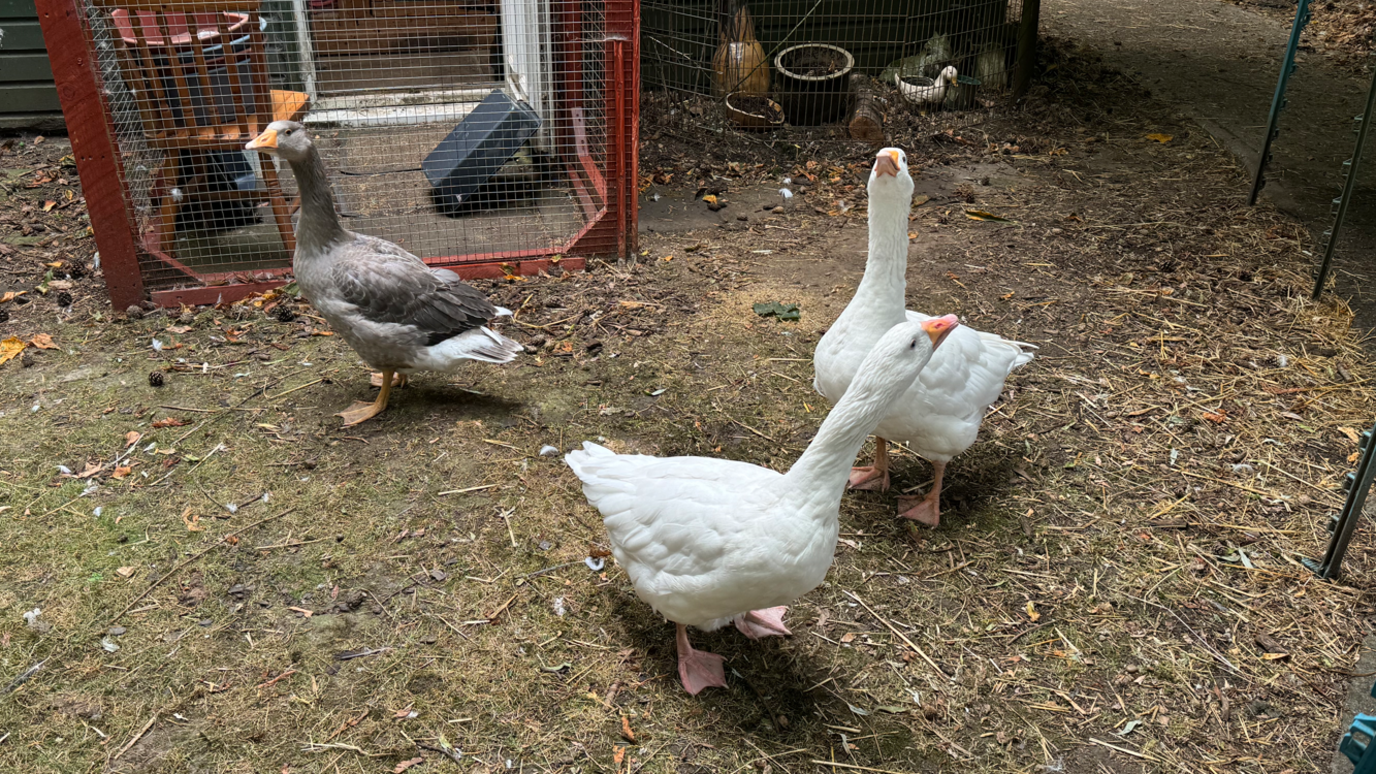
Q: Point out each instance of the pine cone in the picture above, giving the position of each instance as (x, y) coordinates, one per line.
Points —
(64, 299)
(284, 313)
(155, 379)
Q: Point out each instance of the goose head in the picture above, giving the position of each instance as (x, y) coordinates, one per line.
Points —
(890, 176)
(949, 77)
(287, 140)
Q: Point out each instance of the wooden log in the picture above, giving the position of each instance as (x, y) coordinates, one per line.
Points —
(867, 114)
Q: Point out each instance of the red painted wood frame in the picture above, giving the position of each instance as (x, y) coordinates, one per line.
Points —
(611, 227)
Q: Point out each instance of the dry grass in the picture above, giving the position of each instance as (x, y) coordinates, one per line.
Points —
(1114, 586)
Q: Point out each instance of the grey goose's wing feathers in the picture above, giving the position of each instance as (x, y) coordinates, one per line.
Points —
(389, 285)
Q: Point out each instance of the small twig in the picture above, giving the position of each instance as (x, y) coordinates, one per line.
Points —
(274, 680)
(136, 737)
(313, 746)
(291, 544)
(294, 389)
(551, 569)
(189, 560)
(467, 489)
(506, 516)
(852, 767)
(23, 677)
(349, 655)
(901, 636)
(1125, 750)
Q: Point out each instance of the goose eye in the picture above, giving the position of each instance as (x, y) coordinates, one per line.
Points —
(913, 345)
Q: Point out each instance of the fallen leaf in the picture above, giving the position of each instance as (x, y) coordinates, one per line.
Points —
(1351, 434)
(785, 312)
(178, 329)
(404, 765)
(126, 571)
(11, 347)
(91, 469)
(43, 341)
(121, 472)
(1216, 417)
(401, 713)
(1129, 726)
(169, 422)
(988, 216)
(132, 437)
(10, 295)
(618, 753)
(1161, 138)
(191, 522)
(1032, 613)
(597, 553)
(626, 729)
(303, 611)
(49, 205)
(848, 637)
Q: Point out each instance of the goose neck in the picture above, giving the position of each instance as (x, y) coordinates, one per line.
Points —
(823, 469)
(319, 226)
(886, 268)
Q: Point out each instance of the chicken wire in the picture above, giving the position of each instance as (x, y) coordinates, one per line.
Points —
(761, 47)
(379, 84)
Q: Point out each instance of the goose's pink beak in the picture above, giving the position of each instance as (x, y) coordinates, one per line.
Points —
(938, 328)
(886, 163)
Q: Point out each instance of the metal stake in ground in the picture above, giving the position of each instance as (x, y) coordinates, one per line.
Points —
(1349, 183)
(1344, 524)
(1278, 101)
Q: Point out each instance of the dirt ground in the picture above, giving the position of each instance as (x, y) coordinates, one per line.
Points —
(1217, 63)
(219, 578)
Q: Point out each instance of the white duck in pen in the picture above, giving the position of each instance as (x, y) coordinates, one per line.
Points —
(927, 91)
(940, 415)
(707, 542)
(397, 313)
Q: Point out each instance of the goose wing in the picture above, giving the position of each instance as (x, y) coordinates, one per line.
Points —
(388, 285)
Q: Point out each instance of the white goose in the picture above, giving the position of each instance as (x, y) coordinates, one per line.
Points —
(707, 542)
(940, 415)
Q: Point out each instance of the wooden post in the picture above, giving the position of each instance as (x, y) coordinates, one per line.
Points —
(89, 128)
(867, 115)
(1027, 47)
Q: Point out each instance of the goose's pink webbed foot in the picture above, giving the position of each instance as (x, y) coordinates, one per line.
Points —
(928, 509)
(763, 623)
(876, 476)
(697, 669)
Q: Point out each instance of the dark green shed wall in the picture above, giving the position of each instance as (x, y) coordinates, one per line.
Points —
(28, 98)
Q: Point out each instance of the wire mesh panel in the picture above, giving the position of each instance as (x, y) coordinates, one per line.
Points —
(481, 136)
(801, 53)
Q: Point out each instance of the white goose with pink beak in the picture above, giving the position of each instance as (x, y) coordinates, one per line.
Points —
(939, 416)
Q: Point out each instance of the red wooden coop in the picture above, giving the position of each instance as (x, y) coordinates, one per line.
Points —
(485, 137)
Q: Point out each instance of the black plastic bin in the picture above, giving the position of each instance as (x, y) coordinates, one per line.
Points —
(475, 151)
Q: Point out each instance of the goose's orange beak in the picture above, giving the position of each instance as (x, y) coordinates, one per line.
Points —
(938, 328)
(886, 163)
(268, 139)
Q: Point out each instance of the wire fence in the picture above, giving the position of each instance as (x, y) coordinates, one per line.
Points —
(802, 54)
(464, 131)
